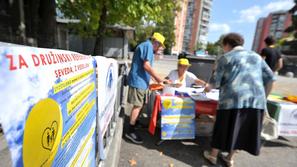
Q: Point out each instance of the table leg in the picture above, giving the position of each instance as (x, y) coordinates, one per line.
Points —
(158, 143)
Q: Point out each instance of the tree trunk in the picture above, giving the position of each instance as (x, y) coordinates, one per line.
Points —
(15, 22)
(32, 18)
(47, 24)
(98, 49)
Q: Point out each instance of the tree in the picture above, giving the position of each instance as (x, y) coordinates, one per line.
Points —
(293, 27)
(94, 15)
(289, 43)
(41, 22)
(29, 19)
(215, 48)
(199, 46)
(166, 27)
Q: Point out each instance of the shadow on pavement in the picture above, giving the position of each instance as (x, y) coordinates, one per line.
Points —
(186, 151)
(280, 142)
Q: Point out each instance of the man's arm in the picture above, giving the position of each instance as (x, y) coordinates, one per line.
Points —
(147, 67)
(268, 87)
(279, 64)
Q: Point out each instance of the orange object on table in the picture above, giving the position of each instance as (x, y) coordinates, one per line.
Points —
(292, 98)
(156, 86)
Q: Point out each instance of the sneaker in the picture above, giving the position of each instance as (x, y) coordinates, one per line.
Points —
(134, 137)
(140, 125)
(229, 163)
(210, 158)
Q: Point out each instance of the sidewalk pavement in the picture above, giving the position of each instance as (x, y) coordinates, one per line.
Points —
(4, 152)
(187, 153)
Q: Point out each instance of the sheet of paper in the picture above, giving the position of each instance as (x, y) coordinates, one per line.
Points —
(213, 94)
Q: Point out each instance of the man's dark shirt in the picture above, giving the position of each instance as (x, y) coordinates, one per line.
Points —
(272, 56)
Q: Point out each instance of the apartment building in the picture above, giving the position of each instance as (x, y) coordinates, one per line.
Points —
(274, 24)
(192, 24)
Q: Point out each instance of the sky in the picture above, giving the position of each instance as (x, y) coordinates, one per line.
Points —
(241, 16)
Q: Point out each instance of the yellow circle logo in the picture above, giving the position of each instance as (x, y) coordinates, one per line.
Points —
(42, 134)
(167, 103)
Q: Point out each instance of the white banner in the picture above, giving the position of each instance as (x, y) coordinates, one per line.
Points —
(48, 106)
(107, 76)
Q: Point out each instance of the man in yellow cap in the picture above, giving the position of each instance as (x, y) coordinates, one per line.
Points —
(181, 77)
(139, 78)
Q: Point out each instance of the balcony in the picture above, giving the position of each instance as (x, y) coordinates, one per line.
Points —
(205, 17)
(204, 24)
(206, 7)
(208, 1)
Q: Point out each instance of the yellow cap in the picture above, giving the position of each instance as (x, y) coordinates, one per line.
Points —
(184, 62)
(160, 38)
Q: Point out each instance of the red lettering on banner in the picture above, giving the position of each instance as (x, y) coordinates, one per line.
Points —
(19, 62)
(48, 58)
(81, 66)
(42, 59)
(11, 65)
(22, 62)
(68, 57)
(54, 60)
(35, 60)
(63, 71)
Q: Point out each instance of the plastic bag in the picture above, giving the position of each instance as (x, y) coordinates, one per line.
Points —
(270, 128)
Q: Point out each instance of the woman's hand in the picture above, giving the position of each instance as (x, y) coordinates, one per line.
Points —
(167, 81)
(178, 85)
(207, 88)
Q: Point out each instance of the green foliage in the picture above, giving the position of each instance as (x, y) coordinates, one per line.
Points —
(199, 46)
(164, 25)
(215, 48)
(129, 12)
(288, 44)
(212, 48)
(293, 27)
(87, 11)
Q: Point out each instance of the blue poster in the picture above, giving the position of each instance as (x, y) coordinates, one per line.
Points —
(48, 106)
(177, 118)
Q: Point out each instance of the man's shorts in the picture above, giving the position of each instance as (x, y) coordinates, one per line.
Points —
(137, 96)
